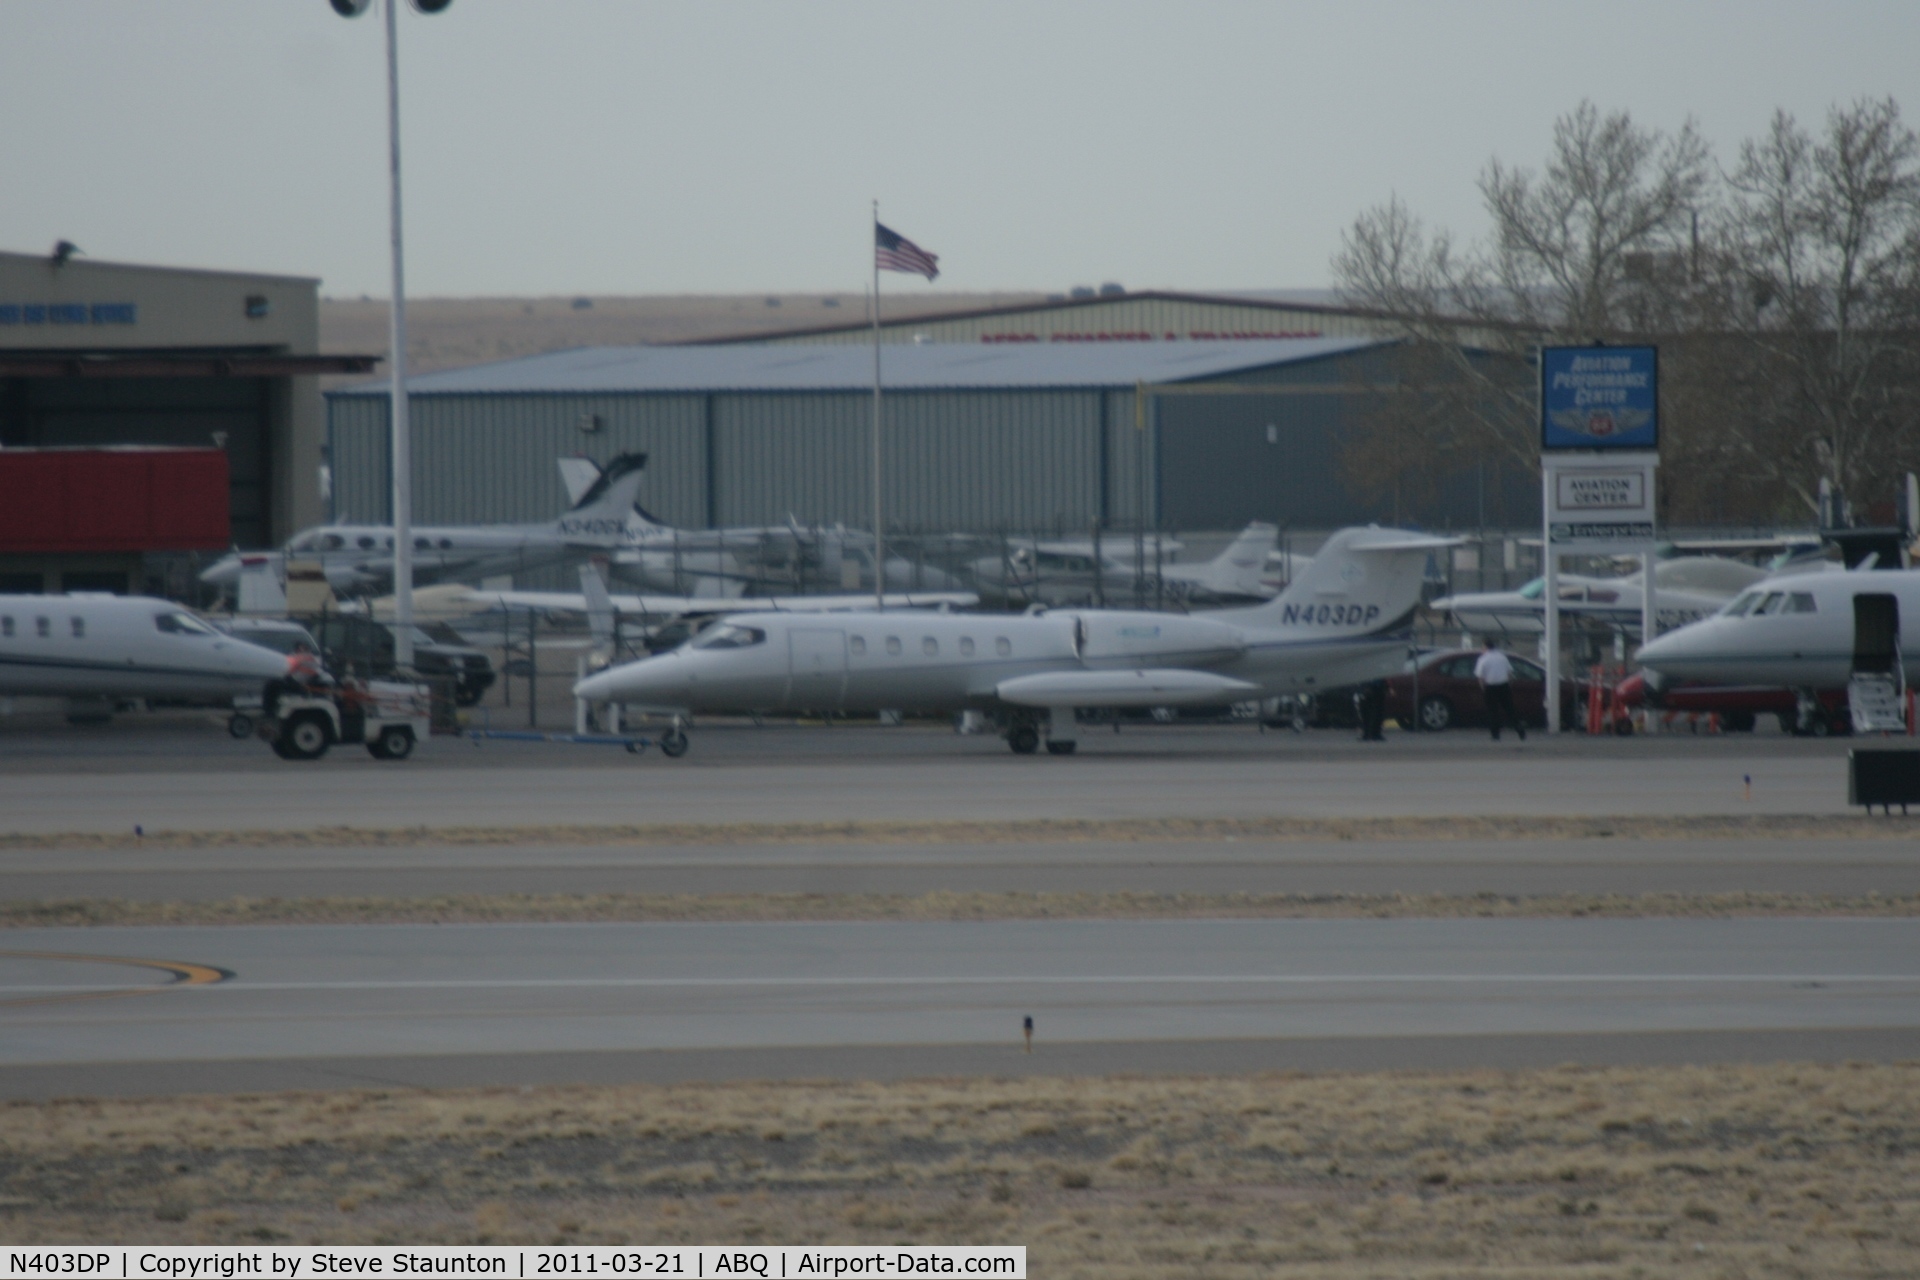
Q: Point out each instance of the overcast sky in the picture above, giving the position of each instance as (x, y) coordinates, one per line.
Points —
(616, 146)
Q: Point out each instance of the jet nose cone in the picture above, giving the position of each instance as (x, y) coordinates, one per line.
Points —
(661, 680)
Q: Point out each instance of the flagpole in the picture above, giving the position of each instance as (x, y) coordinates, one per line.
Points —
(879, 537)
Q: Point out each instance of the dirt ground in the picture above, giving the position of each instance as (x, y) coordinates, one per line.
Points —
(1769, 827)
(573, 908)
(1791, 1171)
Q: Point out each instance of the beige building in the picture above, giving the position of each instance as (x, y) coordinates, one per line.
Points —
(107, 353)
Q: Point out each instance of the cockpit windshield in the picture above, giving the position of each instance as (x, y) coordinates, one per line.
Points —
(1741, 604)
(729, 636)
(182, 624)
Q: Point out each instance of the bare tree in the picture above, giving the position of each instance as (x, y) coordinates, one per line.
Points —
(1785, 295)
(1822, 281)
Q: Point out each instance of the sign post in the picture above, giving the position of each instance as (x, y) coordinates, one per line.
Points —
(1599, 450)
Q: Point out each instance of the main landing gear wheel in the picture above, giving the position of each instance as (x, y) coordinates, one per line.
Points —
(673, 743)
(1024, 739)
(305, 737)
(239, 725)
(394, 743)
(1061, 748)
(1436, 714)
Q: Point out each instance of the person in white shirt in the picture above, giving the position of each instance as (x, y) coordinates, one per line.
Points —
(1495, 675)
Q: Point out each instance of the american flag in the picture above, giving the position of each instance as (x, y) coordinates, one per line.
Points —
(894, 252)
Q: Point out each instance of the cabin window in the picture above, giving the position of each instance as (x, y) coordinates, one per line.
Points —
(365, 542)
(182, 624)
(893, 645)
(1800, 602)
(858, 644)
(730, 636)
(1003, 647)
(930, 646)
(6, 626)
(79, 628)
(446, 544)
(332, 542)
(43, 627)
(423, 544)
(966, 646)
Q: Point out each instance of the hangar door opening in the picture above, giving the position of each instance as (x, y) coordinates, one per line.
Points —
(226, 413)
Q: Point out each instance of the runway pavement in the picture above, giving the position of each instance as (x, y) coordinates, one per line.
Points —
(1850, 867)
(440, 1004)
(196, 782)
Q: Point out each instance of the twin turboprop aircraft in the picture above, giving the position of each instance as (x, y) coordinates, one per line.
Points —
(1342, 621)
(359, 558)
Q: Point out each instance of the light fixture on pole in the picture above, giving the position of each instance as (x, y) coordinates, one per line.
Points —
(401, 428)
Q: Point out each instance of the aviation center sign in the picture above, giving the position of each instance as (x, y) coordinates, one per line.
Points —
(1599, 502)
(1599, 398)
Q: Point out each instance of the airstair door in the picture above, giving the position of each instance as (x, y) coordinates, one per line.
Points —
(1875, 694)
(818, 673)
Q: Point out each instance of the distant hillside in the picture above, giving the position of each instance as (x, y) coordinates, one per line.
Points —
(451, 333)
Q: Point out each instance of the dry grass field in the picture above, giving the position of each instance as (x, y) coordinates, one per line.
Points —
(451, 333)
(1789, 1171)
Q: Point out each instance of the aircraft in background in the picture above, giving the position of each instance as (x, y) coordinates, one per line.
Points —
(1343, 621)
(92, 647)
(1686, 590)
(762, 560)
(1078, 571)
(359, 558)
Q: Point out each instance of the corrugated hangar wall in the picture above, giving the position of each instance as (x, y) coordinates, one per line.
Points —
(978, 460)
(983, 460)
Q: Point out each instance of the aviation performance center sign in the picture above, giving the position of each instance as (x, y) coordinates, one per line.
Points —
(1599, 398)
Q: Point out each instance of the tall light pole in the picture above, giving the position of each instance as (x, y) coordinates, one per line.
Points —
(400, 430)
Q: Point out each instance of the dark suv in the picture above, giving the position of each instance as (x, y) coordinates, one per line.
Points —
(360, 646)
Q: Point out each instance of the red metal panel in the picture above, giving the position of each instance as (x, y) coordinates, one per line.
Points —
(190, 500)
(77, 500)
(33, 500)
(109, 501)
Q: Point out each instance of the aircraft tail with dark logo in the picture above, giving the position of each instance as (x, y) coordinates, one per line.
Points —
(599, 518)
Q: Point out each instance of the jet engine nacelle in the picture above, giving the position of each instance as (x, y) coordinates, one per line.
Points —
(1106, 637)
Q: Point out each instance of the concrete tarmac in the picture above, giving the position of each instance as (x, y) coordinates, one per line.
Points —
(1849, 867)
(180, 781)
(317, 999)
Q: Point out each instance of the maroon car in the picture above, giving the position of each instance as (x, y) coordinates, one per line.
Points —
(1449, 696)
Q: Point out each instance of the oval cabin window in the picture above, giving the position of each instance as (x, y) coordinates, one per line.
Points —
(858, 644)
(893, 645)
(966, 646)
(1003, 647)
(930, 647)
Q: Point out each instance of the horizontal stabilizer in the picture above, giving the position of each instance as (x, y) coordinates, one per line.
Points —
(1152, 688)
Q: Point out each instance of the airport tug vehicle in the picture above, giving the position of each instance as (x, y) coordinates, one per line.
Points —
(388, 716)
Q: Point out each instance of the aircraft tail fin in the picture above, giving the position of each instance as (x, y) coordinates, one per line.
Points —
(600, 517)
(1237, 570)
(1364, 581)
(260, 589)
(578, 474)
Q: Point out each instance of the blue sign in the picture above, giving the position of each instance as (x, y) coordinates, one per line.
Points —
(38, 313)
(1599, 398)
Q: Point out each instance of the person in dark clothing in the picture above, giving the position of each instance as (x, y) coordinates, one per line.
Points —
(1371, 702)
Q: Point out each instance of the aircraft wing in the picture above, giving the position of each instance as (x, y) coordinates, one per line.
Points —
(1171, 687)
(684, 606)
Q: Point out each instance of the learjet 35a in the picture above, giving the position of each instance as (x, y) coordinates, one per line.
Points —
(1344, 620)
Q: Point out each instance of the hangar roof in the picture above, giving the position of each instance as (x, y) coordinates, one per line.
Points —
(933, 366)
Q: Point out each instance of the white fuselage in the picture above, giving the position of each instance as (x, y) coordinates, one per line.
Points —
(123, 647)
(1794, 630)
(947, 662)
(1615, 601)
(358, 557)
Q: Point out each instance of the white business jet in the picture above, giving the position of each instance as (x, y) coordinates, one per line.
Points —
(1794, 631)
(1342, 621)
(1685, 590)
(1073, 570)
(357, 558)
(101, 646)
